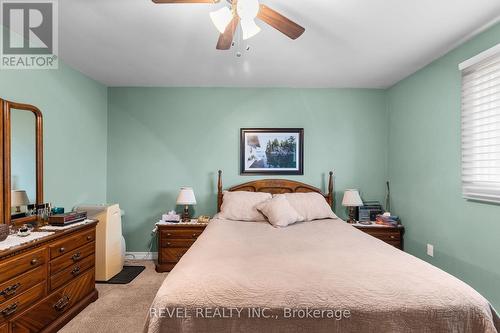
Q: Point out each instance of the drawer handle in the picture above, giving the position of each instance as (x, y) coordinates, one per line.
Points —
(169, 234)
(10, 290)
(195, 235)
(89, 238)
(62, 303)
(77, 256)
(168, 243)
(392, 237)
(75, 271)
(11, 309)
(34, 261)
(62, 249)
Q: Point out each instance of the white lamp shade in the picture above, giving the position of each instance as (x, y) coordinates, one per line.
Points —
(250, 28)
(186, 196)
(221, 18)
(352, 198)
(19, 198)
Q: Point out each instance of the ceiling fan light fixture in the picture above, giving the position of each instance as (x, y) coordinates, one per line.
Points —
(221, 18)
(247, 9)
(250, 28)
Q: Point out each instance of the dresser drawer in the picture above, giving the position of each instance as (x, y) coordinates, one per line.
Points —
(55, 305)
(4, 328)
(191, 233)
(396, 244)
(169, 242)
(172, 254)
(71, 258)
(21, 283)
(389, 236)
(68, 245)
(19, 303)
(71, 272)
(22, 263)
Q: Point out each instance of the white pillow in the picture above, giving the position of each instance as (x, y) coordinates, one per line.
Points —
(241, 205)
(311, 205)
(279, 212)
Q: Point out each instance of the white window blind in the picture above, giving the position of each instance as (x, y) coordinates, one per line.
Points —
(481, 127)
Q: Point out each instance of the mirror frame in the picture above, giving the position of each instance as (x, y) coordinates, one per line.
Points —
(6, 108)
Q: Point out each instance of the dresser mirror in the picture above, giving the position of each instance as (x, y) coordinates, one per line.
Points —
(22, 162)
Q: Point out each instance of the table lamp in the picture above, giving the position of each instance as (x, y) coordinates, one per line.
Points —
(351, 200)
(19, 198)
(186, 197)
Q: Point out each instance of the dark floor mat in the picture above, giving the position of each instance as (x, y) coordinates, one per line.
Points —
(127, 274)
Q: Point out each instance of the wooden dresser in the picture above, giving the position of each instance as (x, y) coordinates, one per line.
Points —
(174, 239)
(390, 235)
(45, 283)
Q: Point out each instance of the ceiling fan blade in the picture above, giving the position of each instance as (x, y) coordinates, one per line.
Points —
(185, 1)
(225, 39)
(279, 22)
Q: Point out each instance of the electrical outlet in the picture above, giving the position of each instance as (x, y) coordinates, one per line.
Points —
(430, 250)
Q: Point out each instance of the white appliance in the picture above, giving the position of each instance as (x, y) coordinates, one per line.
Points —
(110, 244)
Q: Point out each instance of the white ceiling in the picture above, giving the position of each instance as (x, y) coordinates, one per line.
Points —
(347, 43)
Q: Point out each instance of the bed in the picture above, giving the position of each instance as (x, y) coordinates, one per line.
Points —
(319, 276)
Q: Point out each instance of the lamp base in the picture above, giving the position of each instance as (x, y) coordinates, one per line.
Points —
(186, 217)
(352, 213)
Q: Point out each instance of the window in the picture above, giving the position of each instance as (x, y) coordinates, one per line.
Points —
(481, 126)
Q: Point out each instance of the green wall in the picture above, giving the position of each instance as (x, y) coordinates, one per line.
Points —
(163, 138)
(424, 169)
(74, 111)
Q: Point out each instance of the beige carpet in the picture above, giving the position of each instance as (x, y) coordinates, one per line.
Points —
(120, 307)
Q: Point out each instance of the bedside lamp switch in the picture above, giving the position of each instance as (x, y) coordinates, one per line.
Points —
(430, 250)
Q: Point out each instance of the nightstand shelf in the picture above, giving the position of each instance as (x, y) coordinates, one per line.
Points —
(174, 239)
(390, 235)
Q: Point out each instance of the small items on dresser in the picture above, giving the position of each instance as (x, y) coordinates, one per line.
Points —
(387, 219)
(67, 218)
(24, 231)
(4, 231)
(171, 216)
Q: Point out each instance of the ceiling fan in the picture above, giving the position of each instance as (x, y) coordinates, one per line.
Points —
(244, 12)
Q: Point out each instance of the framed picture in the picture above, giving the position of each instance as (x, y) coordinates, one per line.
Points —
(277, 151)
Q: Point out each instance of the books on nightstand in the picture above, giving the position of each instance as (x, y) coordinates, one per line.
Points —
(389, 220)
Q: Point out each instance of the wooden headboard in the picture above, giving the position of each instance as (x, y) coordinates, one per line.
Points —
(274, 186)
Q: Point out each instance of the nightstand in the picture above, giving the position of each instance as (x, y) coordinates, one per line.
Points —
(390, 235)
(174, 239)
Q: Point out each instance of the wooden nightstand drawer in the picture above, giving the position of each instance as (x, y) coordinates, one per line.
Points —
(168, 242)
(384, 235)
(390, 235)
(173, 241)
(173, 254)
(191, 233)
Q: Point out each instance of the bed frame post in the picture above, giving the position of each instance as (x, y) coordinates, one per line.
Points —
(330, 189)
(219, 191)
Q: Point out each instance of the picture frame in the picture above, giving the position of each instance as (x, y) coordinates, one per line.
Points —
(272, 151)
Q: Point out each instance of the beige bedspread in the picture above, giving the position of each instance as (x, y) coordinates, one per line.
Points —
(251, 277)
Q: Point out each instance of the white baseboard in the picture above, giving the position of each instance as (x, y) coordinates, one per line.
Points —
(141, 255)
